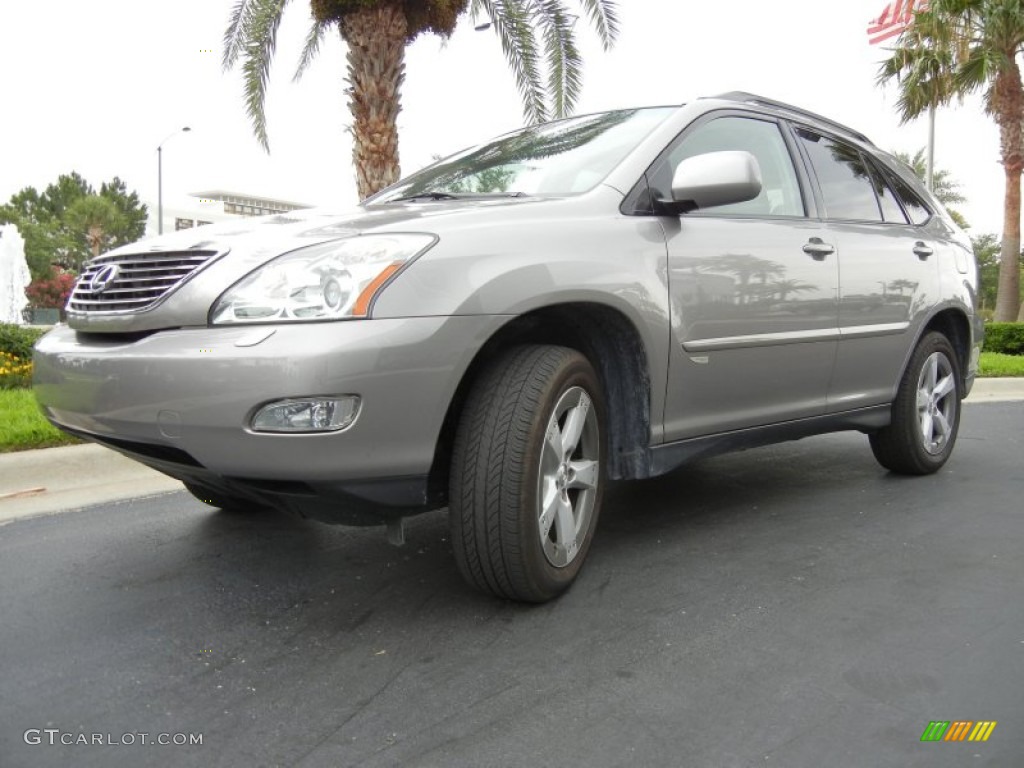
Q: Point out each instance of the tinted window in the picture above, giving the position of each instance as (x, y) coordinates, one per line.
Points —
(916, 209)
(891, 210)
(780, 191)
(843, 177)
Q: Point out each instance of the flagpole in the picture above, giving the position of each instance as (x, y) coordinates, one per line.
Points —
(930, 168)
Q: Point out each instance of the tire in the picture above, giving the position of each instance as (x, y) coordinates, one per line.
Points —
(925, 413)
(221, 501)
(527, 474)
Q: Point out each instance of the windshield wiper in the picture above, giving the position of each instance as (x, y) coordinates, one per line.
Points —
(436, 195)
(432, 195)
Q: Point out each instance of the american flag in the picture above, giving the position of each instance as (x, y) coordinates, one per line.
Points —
(895, 18)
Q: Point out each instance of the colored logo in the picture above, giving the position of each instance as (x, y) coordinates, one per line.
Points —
(959, 730)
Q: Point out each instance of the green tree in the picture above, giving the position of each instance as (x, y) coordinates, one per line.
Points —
(38, 218)
(957, 47)
(986, 253)
(944, 187)
(54, 238)
(132, 213)
(536, 37)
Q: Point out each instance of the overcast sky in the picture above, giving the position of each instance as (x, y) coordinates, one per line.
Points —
(95, 87)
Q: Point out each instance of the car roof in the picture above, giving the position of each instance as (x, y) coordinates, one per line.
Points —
(753, 99)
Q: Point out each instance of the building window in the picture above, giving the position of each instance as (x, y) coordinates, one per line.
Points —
(183, 224)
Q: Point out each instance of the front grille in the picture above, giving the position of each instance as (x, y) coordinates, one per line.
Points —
(136, 281)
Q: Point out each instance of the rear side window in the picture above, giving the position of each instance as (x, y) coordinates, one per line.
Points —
(843, 176)
(780, 190)
(891, 211)
(915, 208)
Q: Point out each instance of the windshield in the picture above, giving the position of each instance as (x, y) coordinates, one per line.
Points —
(562, 158)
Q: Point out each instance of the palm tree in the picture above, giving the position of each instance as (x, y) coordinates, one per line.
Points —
(957, 47)
(96, 219)
(535, 35)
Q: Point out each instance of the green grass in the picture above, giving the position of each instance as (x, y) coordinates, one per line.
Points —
(23, 426)
(996, 364)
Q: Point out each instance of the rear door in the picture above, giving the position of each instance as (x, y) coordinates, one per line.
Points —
(888, 268)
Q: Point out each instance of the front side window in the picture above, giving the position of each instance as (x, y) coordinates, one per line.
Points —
(780, 190)
(843, 176)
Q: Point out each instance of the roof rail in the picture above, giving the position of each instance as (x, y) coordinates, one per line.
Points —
(753, 98)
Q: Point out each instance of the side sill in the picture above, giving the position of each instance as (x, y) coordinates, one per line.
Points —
(665, 458)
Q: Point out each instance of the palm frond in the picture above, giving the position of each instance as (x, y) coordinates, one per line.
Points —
(977, 68)
(603, 16)
(510, 20)
(234, 39)
(312, 46)
(565, 64)
(260, 41)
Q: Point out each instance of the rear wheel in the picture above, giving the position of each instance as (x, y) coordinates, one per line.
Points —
(926, 412)
(528, 473)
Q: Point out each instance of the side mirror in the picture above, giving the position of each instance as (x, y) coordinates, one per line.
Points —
(715, 178)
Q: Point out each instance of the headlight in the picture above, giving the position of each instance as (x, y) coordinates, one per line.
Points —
(332, 281)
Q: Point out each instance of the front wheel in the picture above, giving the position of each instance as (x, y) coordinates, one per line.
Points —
(528, 473)
(925, 413)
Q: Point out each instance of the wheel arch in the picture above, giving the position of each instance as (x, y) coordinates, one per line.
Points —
(614, 347)
(955, 326)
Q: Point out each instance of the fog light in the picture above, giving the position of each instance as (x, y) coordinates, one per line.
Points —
(313, 414)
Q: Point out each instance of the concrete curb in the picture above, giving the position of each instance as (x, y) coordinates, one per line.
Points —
(996, 390)
(57, 479)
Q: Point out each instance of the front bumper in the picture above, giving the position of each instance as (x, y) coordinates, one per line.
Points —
(181, 401)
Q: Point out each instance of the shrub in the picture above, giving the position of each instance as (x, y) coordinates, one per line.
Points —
(51, 292)
(1005, 338)
(17, 341)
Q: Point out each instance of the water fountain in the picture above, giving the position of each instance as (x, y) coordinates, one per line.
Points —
(14, 274)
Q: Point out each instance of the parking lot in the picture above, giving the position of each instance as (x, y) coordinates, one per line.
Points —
(788, 606)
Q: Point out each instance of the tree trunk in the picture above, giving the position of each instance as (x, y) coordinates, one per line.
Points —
(376, 39)
(95, 238)
(1008, 295)
(1007, 102)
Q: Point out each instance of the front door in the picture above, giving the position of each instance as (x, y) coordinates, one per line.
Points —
(753, 289)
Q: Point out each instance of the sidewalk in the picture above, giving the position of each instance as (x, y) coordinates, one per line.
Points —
(57, 479)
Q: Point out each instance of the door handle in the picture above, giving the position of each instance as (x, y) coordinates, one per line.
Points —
(922, 250)
(818, 249)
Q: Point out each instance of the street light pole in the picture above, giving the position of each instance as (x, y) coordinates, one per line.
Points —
(160, 179)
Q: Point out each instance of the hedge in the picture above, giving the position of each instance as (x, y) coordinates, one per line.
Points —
(18, 341)
(1006, 338)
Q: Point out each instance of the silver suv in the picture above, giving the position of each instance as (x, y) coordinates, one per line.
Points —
(502, 333)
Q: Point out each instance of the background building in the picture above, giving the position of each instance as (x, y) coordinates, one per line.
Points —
(215, 206)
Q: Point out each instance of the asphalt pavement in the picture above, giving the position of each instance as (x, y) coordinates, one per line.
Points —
(791, 606)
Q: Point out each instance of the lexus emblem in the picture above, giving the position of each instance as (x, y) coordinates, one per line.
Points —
(99, 282)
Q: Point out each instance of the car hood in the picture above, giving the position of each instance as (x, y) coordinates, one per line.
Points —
(234, 249)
